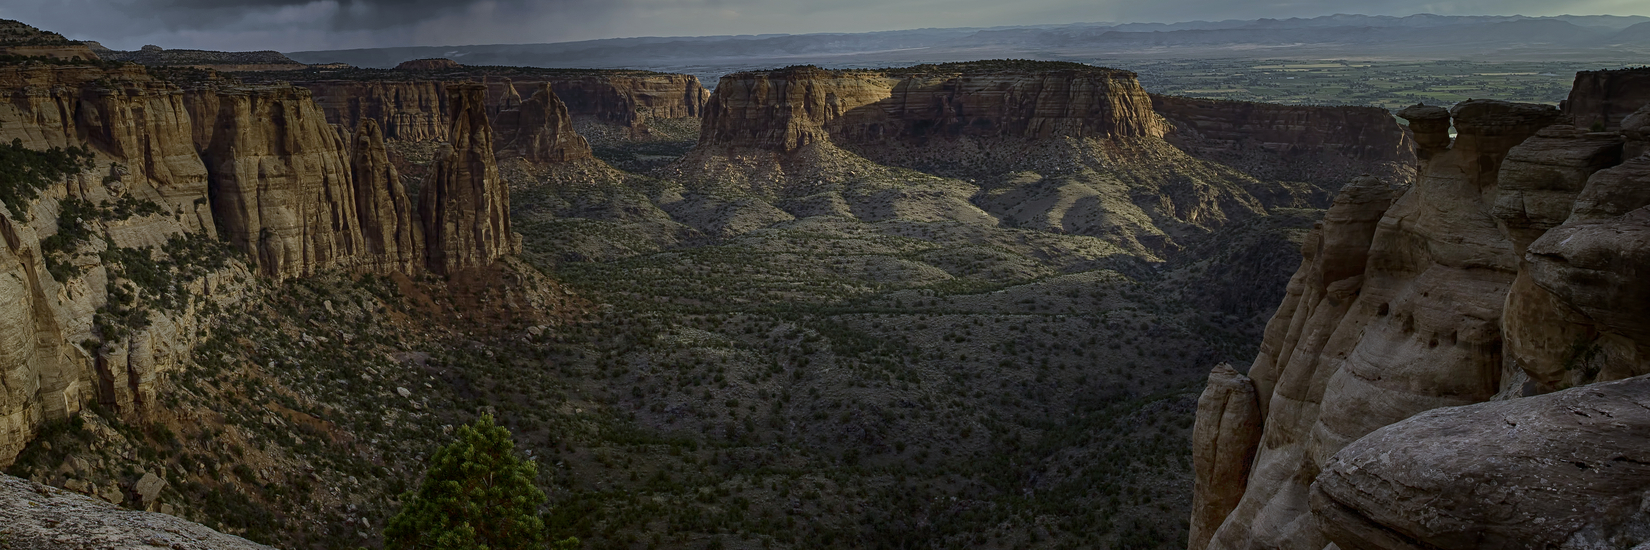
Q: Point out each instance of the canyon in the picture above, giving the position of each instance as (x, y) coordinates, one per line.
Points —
(1491, 279)
(953, 305)
(255, 166)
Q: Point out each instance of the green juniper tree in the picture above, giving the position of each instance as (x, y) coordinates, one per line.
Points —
(478, 495)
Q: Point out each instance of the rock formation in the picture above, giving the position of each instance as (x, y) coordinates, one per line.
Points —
(465, 207)
(1515, 266)
(1601, 99)
(786, 109)
(628, 99)
(540, 130)
(1289, 142)
(1564, 470)
(409, 110)
(392, 238)
(37, 516)
(20, 39)
(414, 107)
(1229, 415)
(431, 64)
(105, 318)
(281, 179)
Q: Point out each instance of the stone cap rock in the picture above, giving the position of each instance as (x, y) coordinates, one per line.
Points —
(1489, 117)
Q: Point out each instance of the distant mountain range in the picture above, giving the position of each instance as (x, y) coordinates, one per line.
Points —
(1423, 36)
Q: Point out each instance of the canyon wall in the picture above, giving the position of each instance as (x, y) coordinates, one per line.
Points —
(1513, 267)
(786, 109)
(539, 129)
(1602, 99)
(1292, 142)
(465, 206)
(416, 109)
(113, 269)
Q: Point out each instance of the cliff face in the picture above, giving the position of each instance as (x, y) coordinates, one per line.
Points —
(465, 207)
(281, 179)
(393, 240)
(1288, 141)
(629, 100)
(108, 309)
(410, 110)
(1513, 267)
(417, 109)
(539, 129)
(1604, 98)
(85, 318)
(784, 110)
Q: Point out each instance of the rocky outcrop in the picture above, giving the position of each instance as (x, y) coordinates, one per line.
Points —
(1600, 100)
(1228, 417)
(431, 64)
(37, 516)
(409, 110)
(540, 130)
(1383, 320)
(628, 99)
(106, 316)
(414, 107)
(1514, 267)
(281, 179)
(465, 206)
(784, 110)
(23, 40)
(1565, 470)
(1289, 142)
(392, 238)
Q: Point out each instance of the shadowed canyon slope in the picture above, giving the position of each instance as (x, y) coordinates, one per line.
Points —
(177, 170)
(1512, 268)
(1054, 146)
(957, 295)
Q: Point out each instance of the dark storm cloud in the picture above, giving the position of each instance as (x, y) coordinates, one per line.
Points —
(344, 14)
(292, 25)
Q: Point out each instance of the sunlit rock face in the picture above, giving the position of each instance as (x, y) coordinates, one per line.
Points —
(1515, 267)
(465, 207)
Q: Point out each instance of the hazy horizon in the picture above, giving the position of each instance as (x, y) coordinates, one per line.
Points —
(304, 25)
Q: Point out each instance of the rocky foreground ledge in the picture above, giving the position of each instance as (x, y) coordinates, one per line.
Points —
(38, 516)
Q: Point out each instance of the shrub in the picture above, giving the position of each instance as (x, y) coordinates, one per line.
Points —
(478, 494)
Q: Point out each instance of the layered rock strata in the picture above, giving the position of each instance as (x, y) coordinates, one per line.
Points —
(787, 109)
(392, 238)
(108, 316)
(540, 130)
(415, 109)
(1600, 100)
(412, 110)
(281, 178)
(1515, 266)
(465, 207)
(1292, 142)
(1563, 470)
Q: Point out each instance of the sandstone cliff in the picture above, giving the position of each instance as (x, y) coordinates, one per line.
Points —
(465, 207)
(114, 271)
(406, 110)
(281, 179)
(540, 130)
(787, 109)
(1601, 99)
(393, 239)
(1055, 146)
(1291, 142)
(412, 106)
(1513, 267)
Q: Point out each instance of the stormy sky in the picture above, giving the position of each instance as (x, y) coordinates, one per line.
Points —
(295, 25)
